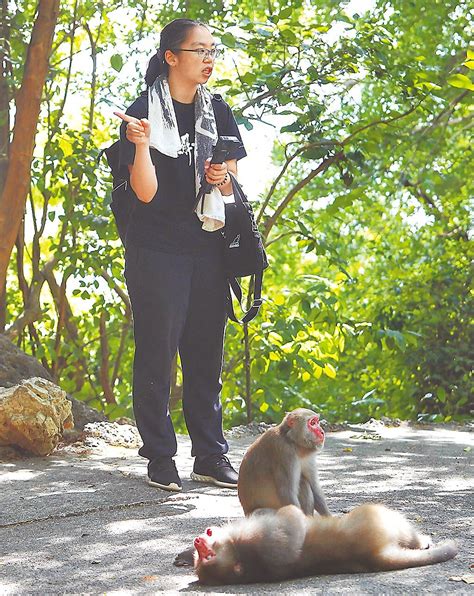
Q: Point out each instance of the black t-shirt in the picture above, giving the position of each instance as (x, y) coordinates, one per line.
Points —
(168, 223)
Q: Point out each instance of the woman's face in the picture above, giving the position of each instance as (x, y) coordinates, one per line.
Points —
(189, 65)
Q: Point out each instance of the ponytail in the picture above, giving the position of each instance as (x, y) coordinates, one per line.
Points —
(156, 66)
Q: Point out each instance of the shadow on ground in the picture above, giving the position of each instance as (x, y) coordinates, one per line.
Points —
(76, 523)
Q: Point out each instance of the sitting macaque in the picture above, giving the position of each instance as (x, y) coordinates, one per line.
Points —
(280, 469)
(284, 544)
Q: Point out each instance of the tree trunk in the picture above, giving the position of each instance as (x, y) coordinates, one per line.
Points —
(28, 104)
(5, 71)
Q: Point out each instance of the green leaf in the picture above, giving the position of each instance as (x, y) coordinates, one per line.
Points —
(329, 371)
(315, 153)
(461, 81)
(286, 13)
(116, 62)
(291, 127)
(228, 40)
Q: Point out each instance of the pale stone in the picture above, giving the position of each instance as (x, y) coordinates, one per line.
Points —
(123, 435)
(33, 415)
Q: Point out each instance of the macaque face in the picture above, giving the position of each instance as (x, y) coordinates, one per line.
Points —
(215, 559)
(316, 430)
(305, 429)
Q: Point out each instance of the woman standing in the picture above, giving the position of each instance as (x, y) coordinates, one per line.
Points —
(173, 267)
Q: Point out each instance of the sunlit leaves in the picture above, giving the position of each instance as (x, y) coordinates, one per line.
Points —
(461, 81)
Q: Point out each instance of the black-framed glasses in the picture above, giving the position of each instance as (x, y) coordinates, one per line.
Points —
(203, 53)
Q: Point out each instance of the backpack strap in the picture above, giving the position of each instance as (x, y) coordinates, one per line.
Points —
(252, 312)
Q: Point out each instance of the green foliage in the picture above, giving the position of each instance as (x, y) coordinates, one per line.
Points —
(368, 300)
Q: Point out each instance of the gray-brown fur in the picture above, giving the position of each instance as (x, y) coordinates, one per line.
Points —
(280, 545)
(280, 468)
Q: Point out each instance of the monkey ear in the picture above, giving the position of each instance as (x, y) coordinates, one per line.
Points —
(290, 420)
(238, 569)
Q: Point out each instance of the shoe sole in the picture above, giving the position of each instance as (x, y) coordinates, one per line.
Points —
(169, 487)
(211, 480)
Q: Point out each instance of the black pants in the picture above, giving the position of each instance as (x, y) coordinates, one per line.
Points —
(178, 303)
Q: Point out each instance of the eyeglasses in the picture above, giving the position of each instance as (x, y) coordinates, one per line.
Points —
(203, 53)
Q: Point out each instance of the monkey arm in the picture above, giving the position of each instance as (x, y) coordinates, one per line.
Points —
(287, 474)
(320, 502)
(312, 480)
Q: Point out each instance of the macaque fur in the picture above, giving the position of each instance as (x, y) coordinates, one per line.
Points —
(280, 467)
(284, 544)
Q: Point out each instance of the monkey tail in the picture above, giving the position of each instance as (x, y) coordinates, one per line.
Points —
(402, 558)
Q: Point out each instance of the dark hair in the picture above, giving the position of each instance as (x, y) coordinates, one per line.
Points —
(172, 36)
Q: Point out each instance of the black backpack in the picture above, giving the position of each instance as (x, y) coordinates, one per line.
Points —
(123, 197)
(244, 254)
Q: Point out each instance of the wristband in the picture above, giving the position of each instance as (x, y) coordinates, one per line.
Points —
(226, 179)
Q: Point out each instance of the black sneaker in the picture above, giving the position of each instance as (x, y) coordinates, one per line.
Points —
(215, 469)
(162, 473)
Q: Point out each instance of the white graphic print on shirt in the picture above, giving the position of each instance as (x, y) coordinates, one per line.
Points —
(186, 147)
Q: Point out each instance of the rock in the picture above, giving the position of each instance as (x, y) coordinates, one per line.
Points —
(16, 366)
(252, 429)
(121, 435)
(33, 415)
(84, 414)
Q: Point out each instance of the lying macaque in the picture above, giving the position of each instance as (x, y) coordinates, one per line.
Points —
(280, 467)
(278, 545)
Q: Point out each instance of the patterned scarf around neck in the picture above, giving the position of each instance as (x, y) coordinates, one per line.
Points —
(165, 138)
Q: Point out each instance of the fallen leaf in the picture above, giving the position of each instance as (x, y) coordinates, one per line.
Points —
(150, 578)
(347, 449)
(467, 449)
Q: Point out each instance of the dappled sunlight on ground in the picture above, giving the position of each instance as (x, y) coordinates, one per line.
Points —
(75, 523)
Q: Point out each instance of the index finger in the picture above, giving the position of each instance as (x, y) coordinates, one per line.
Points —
(127, 118)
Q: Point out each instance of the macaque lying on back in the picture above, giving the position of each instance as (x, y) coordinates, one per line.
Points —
(280, 467)
(278, 545)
